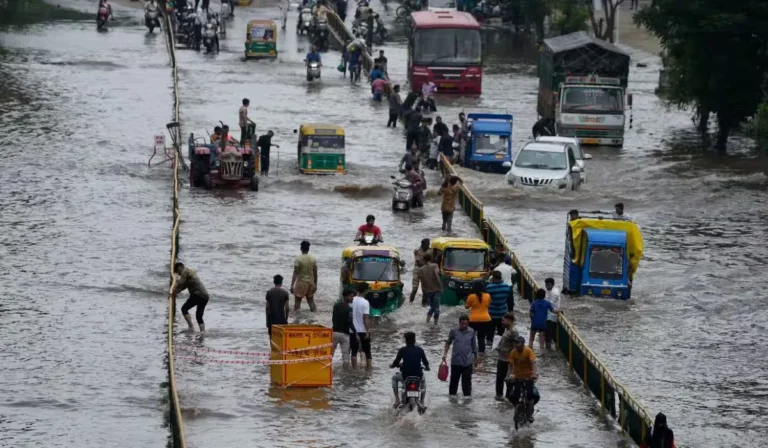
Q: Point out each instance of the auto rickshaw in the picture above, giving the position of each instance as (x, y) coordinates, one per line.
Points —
(461, 262)
(321, 149)
(379, 267)
(261, 39)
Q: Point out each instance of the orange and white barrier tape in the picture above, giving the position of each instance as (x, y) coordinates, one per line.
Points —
(259, 361)
(190, 348)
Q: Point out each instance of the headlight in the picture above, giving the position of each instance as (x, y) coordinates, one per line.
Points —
(245, 164)
(451, 284)
(390, 295)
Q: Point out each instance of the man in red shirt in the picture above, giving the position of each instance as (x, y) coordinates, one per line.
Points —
(369, 228)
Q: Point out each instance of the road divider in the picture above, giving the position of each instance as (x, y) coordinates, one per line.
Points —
(175, 420)
(632, 417)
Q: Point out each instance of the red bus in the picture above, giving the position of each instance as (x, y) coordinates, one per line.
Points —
(445, 47)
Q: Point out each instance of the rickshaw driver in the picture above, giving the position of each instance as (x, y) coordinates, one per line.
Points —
(369, 228)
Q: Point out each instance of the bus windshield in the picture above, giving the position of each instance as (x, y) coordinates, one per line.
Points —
(593, 100)
(375, 269)
(465, 260)
(333, 144)
(606, 263)
(444, 46)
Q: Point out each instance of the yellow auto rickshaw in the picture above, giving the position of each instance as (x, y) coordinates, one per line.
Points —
(461, 262)
(380, 268)
(261, 39)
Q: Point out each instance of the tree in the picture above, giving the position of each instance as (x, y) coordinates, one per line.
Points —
(609, 8)
(569, 16)
(717, 55)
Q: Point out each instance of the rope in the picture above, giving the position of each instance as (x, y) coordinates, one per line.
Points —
(177, 424)
(257, 361)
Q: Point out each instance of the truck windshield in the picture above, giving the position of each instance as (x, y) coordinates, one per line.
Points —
(542, 160)
(324, 143)
(445, 46)
(490, 144)
(464, 260)
(606, 263)
(441, 4)
(593, 100)
(375, 269)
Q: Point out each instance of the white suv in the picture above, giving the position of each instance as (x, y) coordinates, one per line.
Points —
(545, 165)
(577, 151)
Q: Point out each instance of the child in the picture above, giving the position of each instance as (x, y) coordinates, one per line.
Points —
(539, 309)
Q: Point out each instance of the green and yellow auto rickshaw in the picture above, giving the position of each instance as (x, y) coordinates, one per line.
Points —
(321, 149)
(261, 39)
(461, 261)
(379, 267)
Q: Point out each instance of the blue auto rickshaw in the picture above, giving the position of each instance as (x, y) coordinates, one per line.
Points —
(489, 144)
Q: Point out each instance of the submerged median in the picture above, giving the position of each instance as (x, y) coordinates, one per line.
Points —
(28, 12)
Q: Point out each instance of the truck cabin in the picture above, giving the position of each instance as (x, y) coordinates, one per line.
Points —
(491, 135)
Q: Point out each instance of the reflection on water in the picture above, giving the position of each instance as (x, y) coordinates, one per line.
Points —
(85, 245)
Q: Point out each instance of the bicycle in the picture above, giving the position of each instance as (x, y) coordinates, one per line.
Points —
(521, 408)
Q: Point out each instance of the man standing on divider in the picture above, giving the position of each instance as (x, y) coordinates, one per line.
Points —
(243, 121)
(450, 191)
(198, 296)
(277, 305)
(304, 282)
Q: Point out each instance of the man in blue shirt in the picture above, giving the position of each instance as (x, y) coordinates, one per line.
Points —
(499, 292)
(314, 56)
(412, 357)
(539, 309)
(376, 73)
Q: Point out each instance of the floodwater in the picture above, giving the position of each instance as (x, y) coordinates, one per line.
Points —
(86, 242)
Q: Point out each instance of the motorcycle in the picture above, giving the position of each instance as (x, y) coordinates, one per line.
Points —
(186, 29)
(151, 20)
(320, 35)
(209, 38)
(412, 396)
(402, 194)
(380, 33)
(313, 70)
(305, 21)
(368, 240)
(102, 18)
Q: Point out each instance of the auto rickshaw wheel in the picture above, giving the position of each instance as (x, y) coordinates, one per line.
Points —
(207, 182)
(254, 183)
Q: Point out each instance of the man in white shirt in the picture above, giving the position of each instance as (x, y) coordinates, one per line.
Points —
(619, 214)
(360, 332)
(553, 297)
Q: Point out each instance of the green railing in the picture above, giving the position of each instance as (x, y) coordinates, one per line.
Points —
(175, 421)
(633, 419)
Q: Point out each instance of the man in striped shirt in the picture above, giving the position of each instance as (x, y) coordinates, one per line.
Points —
(499, 292)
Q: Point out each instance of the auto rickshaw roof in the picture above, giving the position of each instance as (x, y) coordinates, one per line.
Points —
(261, 23)
(318, 128)
(443, 243)
(372, 251)
(634, 237)
(491, 127)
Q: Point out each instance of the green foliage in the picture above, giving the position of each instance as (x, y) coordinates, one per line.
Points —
(716, 53)
(569, 16)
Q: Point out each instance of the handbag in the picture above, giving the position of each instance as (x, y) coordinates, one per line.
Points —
(442, 372)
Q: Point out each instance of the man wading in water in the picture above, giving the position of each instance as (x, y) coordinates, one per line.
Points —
(198, 296)
(304, 278)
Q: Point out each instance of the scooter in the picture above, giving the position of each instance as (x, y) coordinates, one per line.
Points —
(151, 21)
(102, 18)
(305, 21)
(320, 34)
(313, 70)
(402, 194)
(209, 37)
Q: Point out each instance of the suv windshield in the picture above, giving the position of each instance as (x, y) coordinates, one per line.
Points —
(444, 46)
(542, 160)
(490, 144)
(375, 269)
(606, 263)
(593, 100)
(465, 260)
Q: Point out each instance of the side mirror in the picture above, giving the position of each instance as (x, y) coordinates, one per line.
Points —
(629, 99)
(587, 156)
(575, 169)
(507, 165)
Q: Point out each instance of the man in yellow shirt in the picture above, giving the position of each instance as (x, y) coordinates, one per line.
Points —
(522, 373)
(304, 283)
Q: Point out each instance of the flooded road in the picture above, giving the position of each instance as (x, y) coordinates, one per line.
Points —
(86, 240)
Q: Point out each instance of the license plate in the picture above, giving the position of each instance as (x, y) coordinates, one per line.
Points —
(410, 394)
(448, 85)
(591, 141)
(400, 205)
(606, 292)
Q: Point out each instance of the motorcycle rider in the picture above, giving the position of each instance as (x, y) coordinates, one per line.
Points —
(412, 357)
(104, 5)
(313, 56)
(417, 186)
(200, 21)
(369, 228)
(522, 373)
